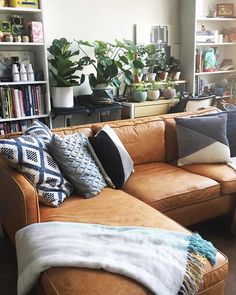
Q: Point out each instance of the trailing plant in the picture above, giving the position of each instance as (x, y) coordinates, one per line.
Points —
(170, 83)
(154, 86)
(64, 63)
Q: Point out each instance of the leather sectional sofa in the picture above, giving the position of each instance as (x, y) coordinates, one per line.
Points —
(158, 194)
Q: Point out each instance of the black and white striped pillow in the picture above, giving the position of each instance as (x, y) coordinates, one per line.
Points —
(111, 154)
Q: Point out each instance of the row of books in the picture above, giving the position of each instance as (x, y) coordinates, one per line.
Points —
(16, 126)
(17, 102)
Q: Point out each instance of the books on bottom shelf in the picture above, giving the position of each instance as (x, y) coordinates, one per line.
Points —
(15, 126)
(23, 101)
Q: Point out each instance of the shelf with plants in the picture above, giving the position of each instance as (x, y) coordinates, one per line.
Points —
(208, 37)
(23, 98)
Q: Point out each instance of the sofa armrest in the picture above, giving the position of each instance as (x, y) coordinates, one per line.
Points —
(19, 205)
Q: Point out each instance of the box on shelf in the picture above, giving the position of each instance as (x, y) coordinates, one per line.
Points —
(207, 36)
(25, 3)
(36, 32)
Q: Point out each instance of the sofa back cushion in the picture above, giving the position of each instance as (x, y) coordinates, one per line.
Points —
(170, 131)
(142, 138)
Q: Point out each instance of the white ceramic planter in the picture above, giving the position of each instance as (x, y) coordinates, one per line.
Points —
(151, 76)
(153, 94)
(62, 97)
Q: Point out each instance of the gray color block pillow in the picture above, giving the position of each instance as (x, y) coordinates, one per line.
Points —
(73, 157)
(202, 140)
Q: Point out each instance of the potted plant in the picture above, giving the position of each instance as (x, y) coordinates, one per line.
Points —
(169, 90)
(162, 65)
(112, 61)
(153, 92)
(174, 68)
(63, 70)
(140, 92)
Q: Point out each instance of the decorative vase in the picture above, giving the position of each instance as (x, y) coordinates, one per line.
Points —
(102, 94)
(169, 93)
(140, 96)
(162, 75)
(151, 76)
(153, 94)
(62, 97)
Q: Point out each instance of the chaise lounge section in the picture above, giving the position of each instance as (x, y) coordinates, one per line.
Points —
(158, 194)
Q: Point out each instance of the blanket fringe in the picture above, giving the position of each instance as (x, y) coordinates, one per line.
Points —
(199, 251)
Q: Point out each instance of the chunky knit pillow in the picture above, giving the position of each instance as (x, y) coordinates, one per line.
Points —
(72, 155)
(35, 162)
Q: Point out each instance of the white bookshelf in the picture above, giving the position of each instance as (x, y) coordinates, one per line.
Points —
(193, 15)
(39, 53)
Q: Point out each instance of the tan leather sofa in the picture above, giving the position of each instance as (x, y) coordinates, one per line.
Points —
(157, 194)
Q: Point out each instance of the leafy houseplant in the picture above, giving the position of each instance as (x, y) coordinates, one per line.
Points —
(169, 90)
(153, 91)
(140, 92)
(112, 61)
(64, 72)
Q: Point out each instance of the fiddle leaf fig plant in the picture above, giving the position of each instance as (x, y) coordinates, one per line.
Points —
(65, 64)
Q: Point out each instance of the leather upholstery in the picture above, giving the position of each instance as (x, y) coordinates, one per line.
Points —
(166, 187)
(112, 207)
(186, 196)
(135, 134)
(222, 173)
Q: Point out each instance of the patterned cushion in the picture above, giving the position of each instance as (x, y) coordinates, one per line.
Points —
(38, 166)
(202, 140)
(112, 155)
(72, 155)
(39, 129)
(230, 129)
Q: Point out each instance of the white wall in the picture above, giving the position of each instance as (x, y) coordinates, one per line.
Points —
(108, 19)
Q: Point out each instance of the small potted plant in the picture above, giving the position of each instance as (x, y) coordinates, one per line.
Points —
(169, 90)
(162, 65)
(63, 70)
(153, 92)
(140, 92)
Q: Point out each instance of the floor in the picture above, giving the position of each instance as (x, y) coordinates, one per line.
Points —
(216, 230)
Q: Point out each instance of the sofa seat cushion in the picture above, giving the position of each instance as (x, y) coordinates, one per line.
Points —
(166, 187)
(112, 207)
(221, 173)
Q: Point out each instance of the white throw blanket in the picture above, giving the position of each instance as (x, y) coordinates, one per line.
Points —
(160, 260)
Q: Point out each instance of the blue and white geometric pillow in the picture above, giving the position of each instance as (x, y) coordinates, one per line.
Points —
(39, 129)
(38, 166)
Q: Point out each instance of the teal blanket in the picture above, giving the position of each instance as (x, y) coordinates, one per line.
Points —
(163, 261)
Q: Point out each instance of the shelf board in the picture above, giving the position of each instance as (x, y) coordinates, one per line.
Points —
(19, 9)
(24, 118)
(216, 44)
(215, 73)
(22, 83)
(214, 19)
(21, 44)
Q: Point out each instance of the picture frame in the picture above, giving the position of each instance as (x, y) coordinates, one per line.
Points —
(225, 10)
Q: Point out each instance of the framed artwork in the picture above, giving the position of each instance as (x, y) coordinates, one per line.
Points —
(225, 9)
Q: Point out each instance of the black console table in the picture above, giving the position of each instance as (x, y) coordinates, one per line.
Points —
(84, 104)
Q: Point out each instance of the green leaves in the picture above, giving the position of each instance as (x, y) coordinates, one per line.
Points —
(64, 63)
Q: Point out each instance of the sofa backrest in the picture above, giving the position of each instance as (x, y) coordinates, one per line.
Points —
(143, 138)
(170, 131)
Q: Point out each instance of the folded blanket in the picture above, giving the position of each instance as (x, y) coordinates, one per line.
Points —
(161, 260)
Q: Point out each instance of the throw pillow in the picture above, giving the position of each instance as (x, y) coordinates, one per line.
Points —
(230, 129)
(112, 155)
(39, 129)
(72, 155)
(38, 166)
(202, 140)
